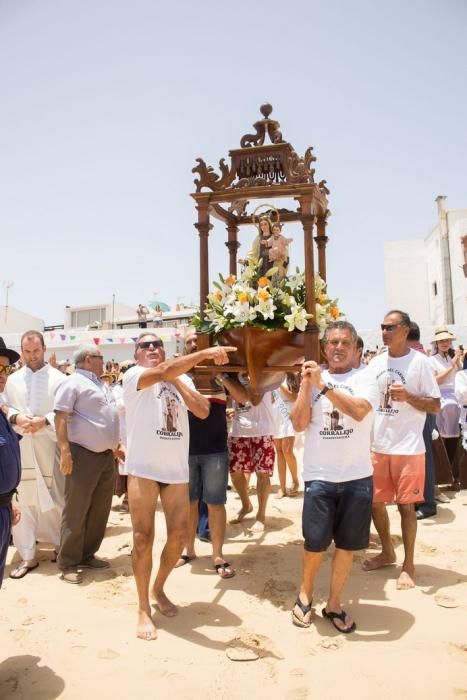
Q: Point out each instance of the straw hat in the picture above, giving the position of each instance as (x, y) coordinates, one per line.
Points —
(443, 333)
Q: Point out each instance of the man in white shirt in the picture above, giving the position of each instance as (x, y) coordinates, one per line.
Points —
(30, 394)
(408, 391)
(335, 408)
(157, 400)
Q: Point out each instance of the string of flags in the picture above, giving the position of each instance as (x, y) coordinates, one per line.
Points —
(56, 337)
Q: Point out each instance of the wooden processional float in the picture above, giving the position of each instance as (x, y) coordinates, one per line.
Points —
(264, 172)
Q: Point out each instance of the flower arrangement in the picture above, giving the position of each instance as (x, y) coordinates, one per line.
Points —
(252, 300)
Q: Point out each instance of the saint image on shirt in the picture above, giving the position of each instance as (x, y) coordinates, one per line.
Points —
(171, 415)
(333, 420)
(386, 400)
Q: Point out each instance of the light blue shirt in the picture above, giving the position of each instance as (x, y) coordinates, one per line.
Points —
(93, 421)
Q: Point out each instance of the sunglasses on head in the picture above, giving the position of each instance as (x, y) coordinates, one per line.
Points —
(146, 344)
(389, 326)
(5, 369)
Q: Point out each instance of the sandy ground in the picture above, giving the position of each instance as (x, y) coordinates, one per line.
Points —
(75, 642)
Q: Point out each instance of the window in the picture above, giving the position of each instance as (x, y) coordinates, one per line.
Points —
(85, 317)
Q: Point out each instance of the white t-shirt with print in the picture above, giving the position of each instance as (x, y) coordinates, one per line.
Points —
(337, 447)
(398, 427)
(157, 427)
(254, 421)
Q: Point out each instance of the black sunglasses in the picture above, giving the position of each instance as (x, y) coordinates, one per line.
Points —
(146, 344)
(389, 326)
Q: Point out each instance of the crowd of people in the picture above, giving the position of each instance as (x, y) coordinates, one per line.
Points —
(73, 436)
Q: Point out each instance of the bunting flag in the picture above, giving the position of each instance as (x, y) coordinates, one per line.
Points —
(109, 340)
(52, 335)
(122, 340)
(97, 340)
(134, 339)
(62, 336)
(72, 337)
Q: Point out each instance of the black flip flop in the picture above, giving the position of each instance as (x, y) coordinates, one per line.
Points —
(297, 621)
(22, 570)
(331, 616)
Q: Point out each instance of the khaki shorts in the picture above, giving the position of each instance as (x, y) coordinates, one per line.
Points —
(398, 477)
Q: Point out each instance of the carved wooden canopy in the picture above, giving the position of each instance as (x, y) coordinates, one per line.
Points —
(260, 170)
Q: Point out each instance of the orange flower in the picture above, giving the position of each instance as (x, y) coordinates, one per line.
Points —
(323, 298)
(217, 295)
(263, 295)
(334, 311)
(242, 297)
(230, 280)
(263, 282)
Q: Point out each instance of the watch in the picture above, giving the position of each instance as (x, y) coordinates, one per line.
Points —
(325, 389)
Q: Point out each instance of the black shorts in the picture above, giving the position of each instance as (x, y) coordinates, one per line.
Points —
(339, 512)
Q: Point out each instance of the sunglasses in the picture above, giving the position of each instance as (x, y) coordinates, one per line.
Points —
(389, 326)
(5, 369)
(100, 357)
(147, 344)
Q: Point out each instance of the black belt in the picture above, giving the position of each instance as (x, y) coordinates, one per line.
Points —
(6, 498)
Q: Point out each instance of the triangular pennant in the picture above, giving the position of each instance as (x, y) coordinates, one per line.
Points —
(62, 336)
(97, 340)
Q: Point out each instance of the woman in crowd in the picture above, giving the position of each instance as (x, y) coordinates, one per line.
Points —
(446, 362)
(284, 436)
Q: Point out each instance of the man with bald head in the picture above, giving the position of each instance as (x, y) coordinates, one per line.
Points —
(209, 471)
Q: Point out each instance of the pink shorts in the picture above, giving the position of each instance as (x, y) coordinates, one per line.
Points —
(252, 454)
(398, 477)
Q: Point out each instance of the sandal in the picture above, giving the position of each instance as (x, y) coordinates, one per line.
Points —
(22, 569)
(331, 616)
(225, 570)
(75, 576)
(305, 609)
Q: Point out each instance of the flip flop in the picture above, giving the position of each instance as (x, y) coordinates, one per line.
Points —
(224, 570)
(331, 616)
(298, 621)
(184, 559)
(22, 569)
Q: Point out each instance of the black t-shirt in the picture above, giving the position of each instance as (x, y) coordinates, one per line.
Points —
(209, 436)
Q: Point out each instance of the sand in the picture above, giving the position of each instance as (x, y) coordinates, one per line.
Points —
(234, 639)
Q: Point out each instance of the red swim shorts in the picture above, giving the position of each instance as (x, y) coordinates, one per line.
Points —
(252, 454)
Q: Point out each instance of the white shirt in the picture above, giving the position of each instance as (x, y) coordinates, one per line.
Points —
(461, 396)
(439, 364)
(398, 427)
(337, 447)
(158, 432)
(254, 421)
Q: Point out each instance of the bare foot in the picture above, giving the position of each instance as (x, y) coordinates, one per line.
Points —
(294, 490)
(145, 628)
(257, 526)
(405, 581)
(164, 605)
(280, 494)
(241, 515)
(378, 562)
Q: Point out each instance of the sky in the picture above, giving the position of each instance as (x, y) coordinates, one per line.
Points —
(106, 104)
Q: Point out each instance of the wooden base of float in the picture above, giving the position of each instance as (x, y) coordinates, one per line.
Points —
(265, 356)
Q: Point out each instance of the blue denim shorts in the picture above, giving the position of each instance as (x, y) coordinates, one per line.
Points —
(339, 512)
(209, 475)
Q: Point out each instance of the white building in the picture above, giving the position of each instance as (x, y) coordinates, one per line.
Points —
(15, 321)
(428, 278)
